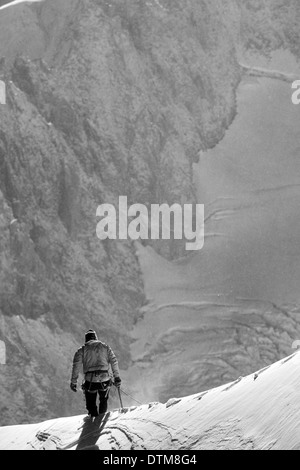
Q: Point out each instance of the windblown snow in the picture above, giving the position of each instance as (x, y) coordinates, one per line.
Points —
(257, 412)
(17, 2)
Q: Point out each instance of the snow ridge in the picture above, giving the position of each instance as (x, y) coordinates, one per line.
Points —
(260, 411)
(17, 2)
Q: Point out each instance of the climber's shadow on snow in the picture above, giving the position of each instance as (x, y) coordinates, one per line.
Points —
(91, 432)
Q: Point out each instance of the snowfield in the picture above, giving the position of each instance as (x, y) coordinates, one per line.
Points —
(260, 411)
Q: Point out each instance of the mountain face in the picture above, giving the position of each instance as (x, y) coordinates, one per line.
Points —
(104, 98)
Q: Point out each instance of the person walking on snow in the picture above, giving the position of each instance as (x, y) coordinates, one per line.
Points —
(94, 359)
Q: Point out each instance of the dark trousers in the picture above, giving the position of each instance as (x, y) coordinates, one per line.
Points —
(91, 391)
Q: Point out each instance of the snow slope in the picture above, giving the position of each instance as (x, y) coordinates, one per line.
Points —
(260, 411)
(16, 2)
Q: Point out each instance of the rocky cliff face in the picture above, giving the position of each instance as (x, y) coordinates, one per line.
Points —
(104, 98)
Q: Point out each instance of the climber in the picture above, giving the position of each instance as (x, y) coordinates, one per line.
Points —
(94, 359)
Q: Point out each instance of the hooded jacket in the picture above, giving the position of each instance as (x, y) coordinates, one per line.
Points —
(94, 359)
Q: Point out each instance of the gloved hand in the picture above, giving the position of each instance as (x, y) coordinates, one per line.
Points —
(73, 387)
(118, 382)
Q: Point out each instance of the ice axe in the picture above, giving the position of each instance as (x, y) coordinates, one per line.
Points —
(120, 397)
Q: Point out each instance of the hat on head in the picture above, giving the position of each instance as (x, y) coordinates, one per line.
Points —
(90, 335)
